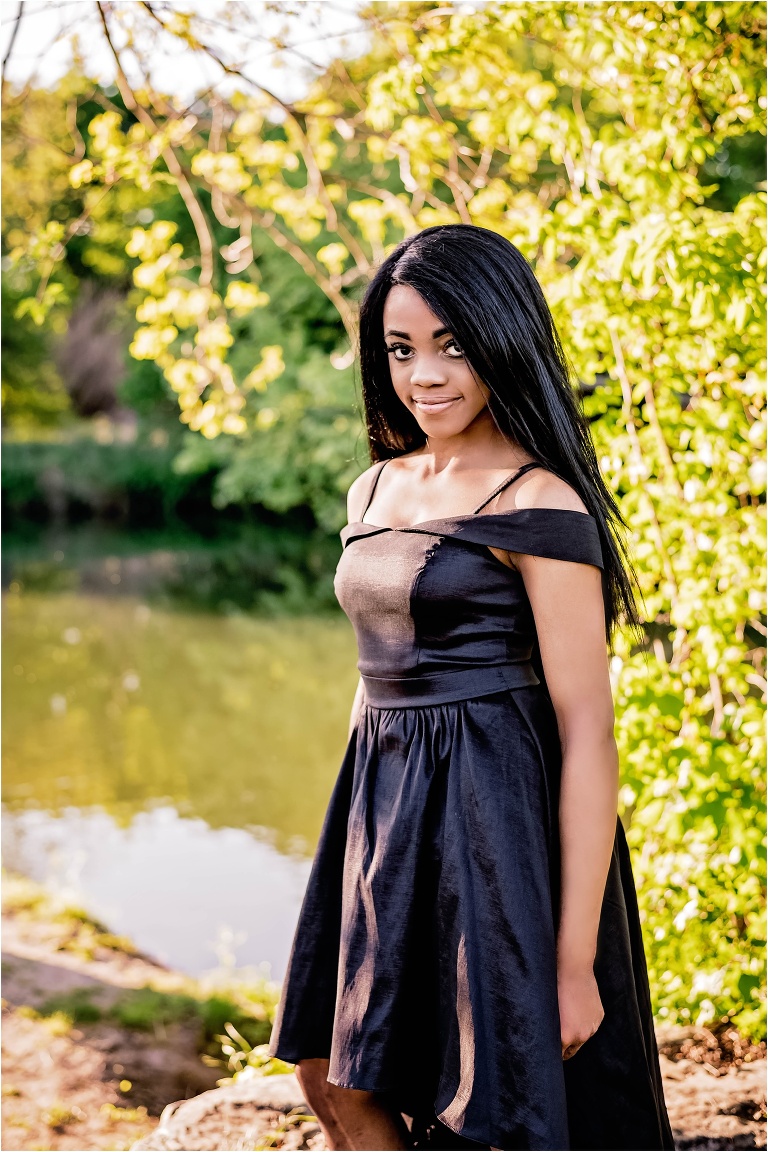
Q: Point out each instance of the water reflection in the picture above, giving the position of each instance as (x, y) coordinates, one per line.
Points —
(245, 568)
(190, 895)
(190, 756)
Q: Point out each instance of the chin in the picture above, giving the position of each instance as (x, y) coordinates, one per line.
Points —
(440, 427)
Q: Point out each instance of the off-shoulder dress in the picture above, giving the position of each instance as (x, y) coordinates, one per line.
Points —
(424, 960)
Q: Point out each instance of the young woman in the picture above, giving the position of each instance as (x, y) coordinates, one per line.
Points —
(468, 956)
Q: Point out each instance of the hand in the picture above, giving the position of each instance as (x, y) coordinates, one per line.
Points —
(581, 1009)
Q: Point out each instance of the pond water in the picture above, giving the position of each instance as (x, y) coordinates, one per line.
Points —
(170, 768)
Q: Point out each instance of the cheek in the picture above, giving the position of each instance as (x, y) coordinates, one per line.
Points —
(400, 377)
(477, 394)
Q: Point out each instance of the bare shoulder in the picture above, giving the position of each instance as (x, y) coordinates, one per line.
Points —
(542, 489)
(358, 493)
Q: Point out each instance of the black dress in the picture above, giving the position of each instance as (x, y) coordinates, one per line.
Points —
(424, 961)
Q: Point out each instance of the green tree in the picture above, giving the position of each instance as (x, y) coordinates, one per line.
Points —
(35, 172)
(604, 141)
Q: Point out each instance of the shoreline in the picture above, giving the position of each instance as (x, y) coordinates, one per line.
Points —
(99, 1038)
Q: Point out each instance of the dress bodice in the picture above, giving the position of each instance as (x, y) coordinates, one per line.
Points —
(437, 616)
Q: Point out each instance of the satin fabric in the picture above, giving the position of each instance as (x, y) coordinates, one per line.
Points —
(424, 963)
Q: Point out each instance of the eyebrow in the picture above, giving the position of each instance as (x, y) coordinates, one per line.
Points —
(404, 335)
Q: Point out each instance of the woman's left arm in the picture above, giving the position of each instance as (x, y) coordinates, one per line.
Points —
(567, 603)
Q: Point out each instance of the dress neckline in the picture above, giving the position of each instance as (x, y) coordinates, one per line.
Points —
(477, 512)
(465, 516)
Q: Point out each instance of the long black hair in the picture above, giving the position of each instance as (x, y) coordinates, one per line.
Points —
(483, 290)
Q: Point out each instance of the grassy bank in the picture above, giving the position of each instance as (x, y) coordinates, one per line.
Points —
(98, 1038)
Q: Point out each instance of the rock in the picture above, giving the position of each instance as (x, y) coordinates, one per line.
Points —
(711, 1109)
(237, 1116)
(720, 1048)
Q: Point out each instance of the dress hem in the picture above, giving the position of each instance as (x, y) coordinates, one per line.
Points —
(277, 1054)
(465, 1133)
(361, 1087)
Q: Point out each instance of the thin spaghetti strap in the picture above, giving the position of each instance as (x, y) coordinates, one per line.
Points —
(372, 489)
(506, 483)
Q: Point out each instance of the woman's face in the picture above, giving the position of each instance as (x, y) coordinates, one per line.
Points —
(429, 372)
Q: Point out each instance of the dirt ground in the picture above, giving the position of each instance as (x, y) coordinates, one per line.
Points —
(78, 1076)
(91, 1083)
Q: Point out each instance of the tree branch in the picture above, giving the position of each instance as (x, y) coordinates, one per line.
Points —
(298, 120)
(634, 439)
(14, 34)
(202, 229)
(313, 269)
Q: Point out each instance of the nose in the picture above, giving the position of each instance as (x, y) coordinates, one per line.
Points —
(428, 371)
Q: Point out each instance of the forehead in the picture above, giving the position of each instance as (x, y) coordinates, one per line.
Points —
(405, 310)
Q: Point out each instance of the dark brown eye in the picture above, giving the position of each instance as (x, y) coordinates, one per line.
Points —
(399, 351)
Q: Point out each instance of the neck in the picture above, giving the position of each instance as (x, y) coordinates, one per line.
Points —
(480, 445)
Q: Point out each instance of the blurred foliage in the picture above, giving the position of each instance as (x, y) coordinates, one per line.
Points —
(620, 148)
(78, 478)
(33, 395)
(308, 444)
(194, 563)
(245, 1060)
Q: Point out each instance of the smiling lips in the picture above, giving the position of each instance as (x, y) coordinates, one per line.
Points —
(435, 404)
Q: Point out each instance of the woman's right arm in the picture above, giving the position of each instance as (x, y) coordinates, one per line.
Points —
(355, 501)
(357, 704)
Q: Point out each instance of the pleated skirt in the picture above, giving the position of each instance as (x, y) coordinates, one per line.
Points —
(424, 960)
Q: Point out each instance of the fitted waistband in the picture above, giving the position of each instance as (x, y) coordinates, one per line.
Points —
(446, 687)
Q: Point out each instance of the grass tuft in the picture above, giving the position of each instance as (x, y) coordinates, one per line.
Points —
(77, 1006)
(60, 1116)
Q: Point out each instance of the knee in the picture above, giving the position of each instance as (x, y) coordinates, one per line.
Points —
(329, 1103)
(312, 1076)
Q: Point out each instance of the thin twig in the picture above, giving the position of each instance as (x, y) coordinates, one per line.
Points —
(14, 34)
(313, 269)
(72, 230)
(592, 177)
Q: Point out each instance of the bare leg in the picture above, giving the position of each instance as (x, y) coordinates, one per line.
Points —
(349, 1119)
